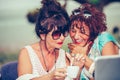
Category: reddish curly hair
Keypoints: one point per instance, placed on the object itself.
(96, 21)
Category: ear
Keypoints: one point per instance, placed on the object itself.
(42, 36)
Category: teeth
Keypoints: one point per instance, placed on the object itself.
(79, 40)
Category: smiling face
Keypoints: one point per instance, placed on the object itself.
(79, 33)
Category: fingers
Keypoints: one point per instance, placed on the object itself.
(61, 70)
(79, 56)
(80, 60)
(71, 46)
(89, 44)
(83, 59)
(68, 55)
(60, 73)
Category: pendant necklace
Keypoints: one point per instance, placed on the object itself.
(47, 70)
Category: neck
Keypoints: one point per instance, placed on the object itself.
(43, 51)
(46, 48)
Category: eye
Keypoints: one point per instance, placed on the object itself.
(56, 35)
(82, 30)
(73, 31)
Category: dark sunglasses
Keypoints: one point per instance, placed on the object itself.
(85, 13)
(57, 34)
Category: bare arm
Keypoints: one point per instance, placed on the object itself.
(24, 64)
(110, 49)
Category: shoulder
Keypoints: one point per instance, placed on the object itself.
(105, 35)
(23, 52)
(106, 38)
(109, 49)
(23, 55)
(26, 49)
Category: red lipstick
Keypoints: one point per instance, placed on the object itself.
(60, 43)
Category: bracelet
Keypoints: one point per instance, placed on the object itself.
(92, 68)
(87, 73)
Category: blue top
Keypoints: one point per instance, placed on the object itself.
(96, 49)
(103, 39)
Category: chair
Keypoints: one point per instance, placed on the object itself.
(0, 74)
(9, 71)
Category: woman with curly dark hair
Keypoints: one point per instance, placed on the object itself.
(45, 60)
(90, 39)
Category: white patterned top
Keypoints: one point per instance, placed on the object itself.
(38, 69)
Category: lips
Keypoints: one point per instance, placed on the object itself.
(79, 41)
(60, 43)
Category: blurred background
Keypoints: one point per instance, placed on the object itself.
(17, 26)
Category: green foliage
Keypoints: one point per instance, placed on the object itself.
(3, 57)
(94, 1)
(65, 45)
(7, 57)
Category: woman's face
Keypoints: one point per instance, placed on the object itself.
(79, 33)
(54, 40)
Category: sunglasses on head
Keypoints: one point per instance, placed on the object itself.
(57, 34)
(85, 13)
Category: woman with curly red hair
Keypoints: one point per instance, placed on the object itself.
(89, 36)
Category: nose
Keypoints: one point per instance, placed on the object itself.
(62, 37)
(76, 36)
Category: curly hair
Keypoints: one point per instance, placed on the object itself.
(93, 18)
(51, 15)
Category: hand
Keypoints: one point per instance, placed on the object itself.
(58, 74)
(80, 49)
(78, 60)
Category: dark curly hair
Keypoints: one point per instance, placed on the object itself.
(93, 18)
(51, 15)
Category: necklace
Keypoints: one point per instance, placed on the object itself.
(47, 70)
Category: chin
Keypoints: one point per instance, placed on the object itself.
(58, 47)
(80, 44)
